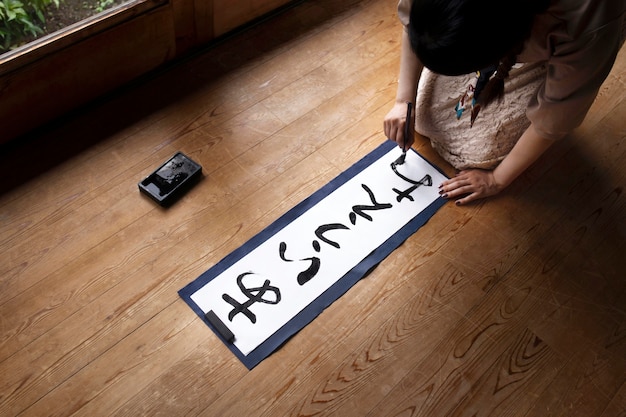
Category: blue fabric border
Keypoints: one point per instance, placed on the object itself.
(309, 313)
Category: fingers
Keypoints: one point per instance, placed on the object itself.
(468, 185)
(397, 136)
(455, 190)
(467, 199)
(456, 186)
(394, 132)
(394, 126)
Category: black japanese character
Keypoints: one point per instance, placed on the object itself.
(360, 209)
(426, 181)
(255, 295)
(319, 232)
(306, 275)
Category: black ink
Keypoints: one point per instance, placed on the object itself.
(426, 181)
(314, 267)
(319, 232)
(360, 209)
(255, 295)
(282, 248)
(306, 275)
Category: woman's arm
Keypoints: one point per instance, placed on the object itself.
(410, 70)
(476, 183)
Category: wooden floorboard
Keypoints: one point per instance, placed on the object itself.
(514, 306)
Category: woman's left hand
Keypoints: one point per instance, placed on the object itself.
(473, 184)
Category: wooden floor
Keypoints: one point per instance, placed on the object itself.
(515, 306)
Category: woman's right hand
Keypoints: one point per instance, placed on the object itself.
(394, 125)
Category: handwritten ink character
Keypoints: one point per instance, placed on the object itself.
(314, 266)
(319, 232)
(360, 209)
(255, 295)
(425, 181)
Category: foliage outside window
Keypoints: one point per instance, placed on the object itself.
(22, 21)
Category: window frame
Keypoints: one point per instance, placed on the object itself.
(66, 69)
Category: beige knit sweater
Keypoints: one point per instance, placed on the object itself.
(497, 127)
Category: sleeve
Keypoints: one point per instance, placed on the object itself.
(575, 72)
(404, 11)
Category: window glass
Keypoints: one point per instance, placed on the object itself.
(24, 21)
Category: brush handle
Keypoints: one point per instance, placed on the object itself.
(407, 125)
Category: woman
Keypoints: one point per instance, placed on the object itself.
(567, 46)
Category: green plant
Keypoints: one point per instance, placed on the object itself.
(104, 4)
(21, 19)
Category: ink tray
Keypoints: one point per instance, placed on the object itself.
(168, 182)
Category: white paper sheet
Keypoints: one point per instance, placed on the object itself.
(268, 291)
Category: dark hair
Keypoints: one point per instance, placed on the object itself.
(454, 37)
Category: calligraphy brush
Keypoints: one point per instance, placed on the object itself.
(407, 130)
